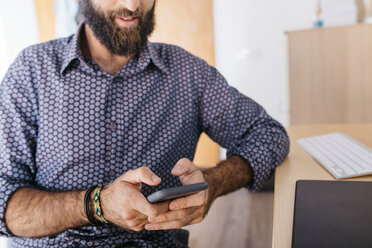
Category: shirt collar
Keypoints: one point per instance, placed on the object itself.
(73, 52)
(155, 56)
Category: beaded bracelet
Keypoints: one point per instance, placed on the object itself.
(97, 204)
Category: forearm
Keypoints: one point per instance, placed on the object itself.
(36, 213)
(227, 176)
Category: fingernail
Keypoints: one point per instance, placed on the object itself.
(151, 219)
(155, 178)
(174, 206)
(177, 169)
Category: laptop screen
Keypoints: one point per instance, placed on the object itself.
(332, 214)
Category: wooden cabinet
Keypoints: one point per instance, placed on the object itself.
(331, 75)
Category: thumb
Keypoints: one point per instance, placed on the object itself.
(183, 166)
(142, 175)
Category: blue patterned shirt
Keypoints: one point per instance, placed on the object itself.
(66, 125)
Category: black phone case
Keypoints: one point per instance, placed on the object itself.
(176, 192)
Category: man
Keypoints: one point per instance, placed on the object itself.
(107, 107)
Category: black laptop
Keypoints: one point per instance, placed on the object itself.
(332, 214)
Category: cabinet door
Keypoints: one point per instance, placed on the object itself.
(330, 75)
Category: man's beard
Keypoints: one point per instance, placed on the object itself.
(118, 40)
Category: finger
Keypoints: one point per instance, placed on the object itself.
(188, 216)
(196, 220)
(142, 174)
(194, 200)
(132, 214)
(139, 216)
(162, 207)
(140, 227)
(143, 206)
(135, 223)
(177, 224)
(132, 219)
(183, 166)
(172, 215)
(136, 226)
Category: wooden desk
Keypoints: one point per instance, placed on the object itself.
(299, 165)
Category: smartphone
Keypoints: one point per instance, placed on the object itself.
(176, 192)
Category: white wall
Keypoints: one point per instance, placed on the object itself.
(18, 29)
(65, 12)
(251, 47)
(3, 50)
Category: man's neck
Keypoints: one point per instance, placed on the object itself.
(95, 50)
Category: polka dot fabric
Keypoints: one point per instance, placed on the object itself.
(66, 125)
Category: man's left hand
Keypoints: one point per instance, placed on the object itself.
(186, 210)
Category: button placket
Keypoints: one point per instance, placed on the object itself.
(113, 127)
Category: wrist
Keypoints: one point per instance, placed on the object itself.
(82, 215)
(76, 202)
(212, 190)
(228, 175)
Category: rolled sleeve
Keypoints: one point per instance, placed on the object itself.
(18, 134)
(242, 126)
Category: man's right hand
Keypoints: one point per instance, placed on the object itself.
(124, 205)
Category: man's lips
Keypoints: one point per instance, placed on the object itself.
(128, 21)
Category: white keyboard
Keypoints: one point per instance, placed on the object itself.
(340, 154)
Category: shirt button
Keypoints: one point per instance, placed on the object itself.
(113, 126)
(117, 80)
(112, 173)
